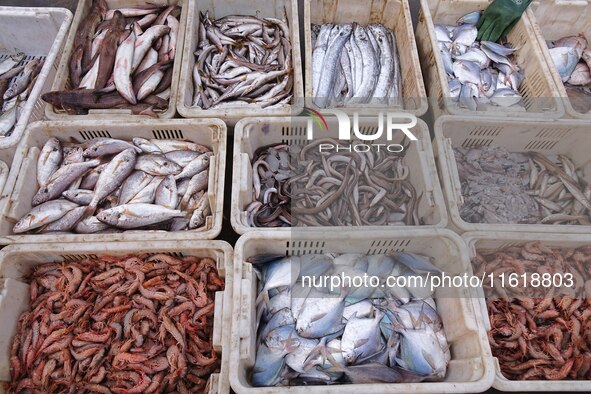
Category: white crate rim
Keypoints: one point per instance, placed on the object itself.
(440, 387)
(239, 173)
(232, 115)
(502, 383)
(62, 74)
(15, 180)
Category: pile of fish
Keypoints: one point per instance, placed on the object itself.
(295, 186)
(528, 188)
(352, 189)
(271, 206)
(480, 75)
(540, 332)
(135, 324)
(572, 58)
(243, 60)
(354, 64)
(17, 79)
(307, 335)
(121, 59)
(107, 185)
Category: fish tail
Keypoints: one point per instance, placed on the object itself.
(89, 211)
(262, 297)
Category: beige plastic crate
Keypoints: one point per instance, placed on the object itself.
(253, 133)
(568, 137)
(217, 10)
(209, 132)
(470, 370)
(395, 15)
(539, 91)
(553, 20)
(500, 240)
(40, 33)
(17, 261)
(62, 80)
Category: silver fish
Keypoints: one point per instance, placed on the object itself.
(107, 146)
(320, 315)
(78, 196)
(166, 193)
(146, 146)
(66, 222)
(361, 338)
(200, 213)
(49, 160)
(8, 120)
(90, 179)
(195, 166)
(43, 214)
(172, 145)
(157, 165)
(61, 179)
(182, 157)
(565, 60)
(12, 61)
(329, 65)
(148, 193)
(90, 225)
(131, 216)
(20, 84)
(123, 68)
(112, 176)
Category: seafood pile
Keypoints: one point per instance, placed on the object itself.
(121, 59)
(539, 332)
(271, 206)
(303, 187)
(17, 79)
(135, 324)
(503, 187)
(243, 60)
(107, 185)
(354, 64)
(572, 59)
(480, 75)
(308, 335)
(356, 189)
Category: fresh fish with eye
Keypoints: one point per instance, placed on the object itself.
(49, 160)
(157, 165)
(130, 216)
(9, 63)
(43, 214)
(61, 180)
(108, 146)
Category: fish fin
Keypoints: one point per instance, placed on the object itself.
(262, 297)
(361, 342)
(89, 211)
(319, 350)
(429, 359)
(290, 344)
(317, 317)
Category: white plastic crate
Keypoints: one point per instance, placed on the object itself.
(501, 240)
(568, 137)
(553, 20)
(62, 79)
(539, 91)
(17, 261)
(253, 133)
(395, 15)
(218, 10)
(39, 33)
(209, 132)
(471, 369)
